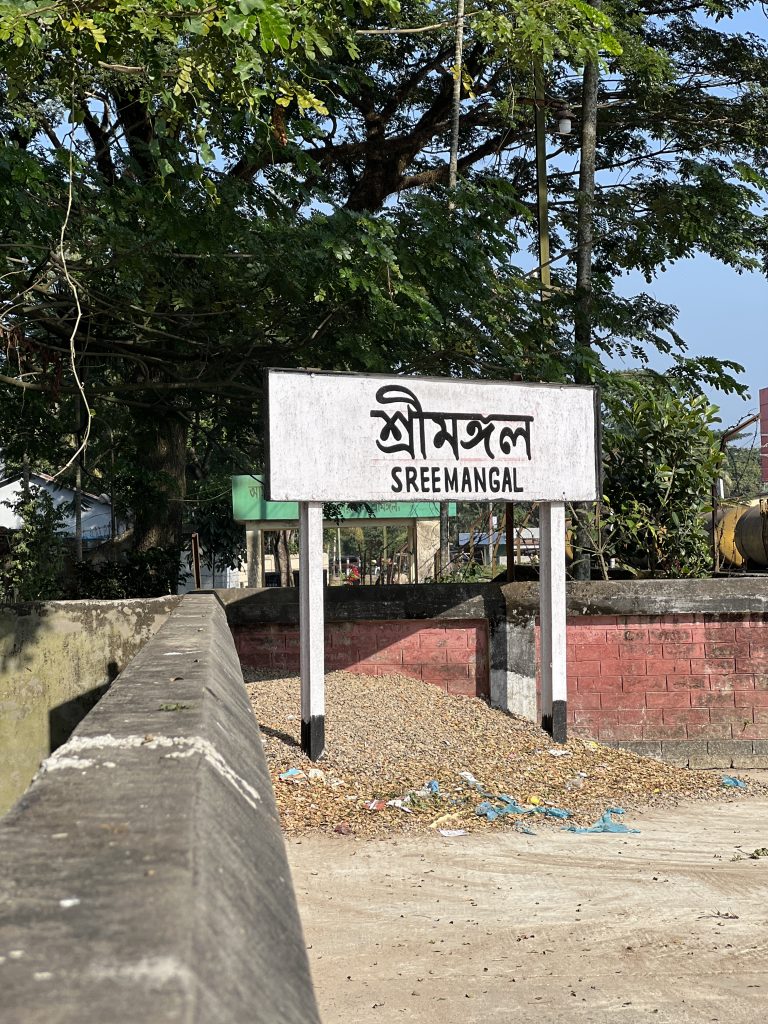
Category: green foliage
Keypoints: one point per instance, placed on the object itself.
(660, 459)
(180, 54)
(222, 540)
(741, 472)
(151, 573)
(521, 31)
(463, 572)
(262, 182)
(33, 569)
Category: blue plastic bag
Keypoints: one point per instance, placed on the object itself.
(732, 783)
(605, 823)
(487, 809)
(553, 812)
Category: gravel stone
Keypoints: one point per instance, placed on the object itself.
(388, 736)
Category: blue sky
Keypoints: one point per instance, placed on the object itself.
(722, 313)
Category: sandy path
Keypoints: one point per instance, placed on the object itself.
(553, 928)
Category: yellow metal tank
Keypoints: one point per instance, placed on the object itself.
(751, 533)
(726, 519)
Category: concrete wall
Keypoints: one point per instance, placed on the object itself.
(56, 659)
(143, 876)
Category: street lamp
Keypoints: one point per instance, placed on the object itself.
(564, 116)
(541, 104)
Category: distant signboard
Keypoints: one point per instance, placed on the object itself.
(764, 434)
(250, 505)
(346, 437)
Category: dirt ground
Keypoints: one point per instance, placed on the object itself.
(667, 926)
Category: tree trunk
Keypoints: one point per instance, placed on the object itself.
(581, 568)
(283, 557)
(445, 540)
(158, 516)
(79, 480)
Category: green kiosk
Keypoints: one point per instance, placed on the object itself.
(259, 516)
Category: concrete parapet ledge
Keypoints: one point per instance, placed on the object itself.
(347, 604)
(736, 596)
(143, 877)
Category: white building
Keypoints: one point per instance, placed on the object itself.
(96, 509)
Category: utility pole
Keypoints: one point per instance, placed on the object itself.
(545, 280)
(453, 164)
(78, 481)
(458, 69)
(542, 204)
(584, 247)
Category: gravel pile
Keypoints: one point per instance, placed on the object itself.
(395, 738)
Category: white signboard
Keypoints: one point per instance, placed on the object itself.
(344, 437)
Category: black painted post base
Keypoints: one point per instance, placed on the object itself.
(313, 737)
(559, 721)
(556, 724)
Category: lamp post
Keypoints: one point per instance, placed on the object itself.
(541, 105)
(542, 205)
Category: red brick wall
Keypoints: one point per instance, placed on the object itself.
(452, 654)
(675, 677)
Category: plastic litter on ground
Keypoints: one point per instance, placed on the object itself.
(404, 756)
(731, 783)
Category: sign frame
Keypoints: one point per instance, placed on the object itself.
(479, 426)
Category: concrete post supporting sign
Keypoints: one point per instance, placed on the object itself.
(351, 438)
(312, 629)
(254, 555)
(554, 692)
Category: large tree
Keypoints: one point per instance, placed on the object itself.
(170, 226)
(194, 190)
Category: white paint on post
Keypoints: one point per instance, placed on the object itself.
(311, 629)
(253, 555)
(554, 690)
